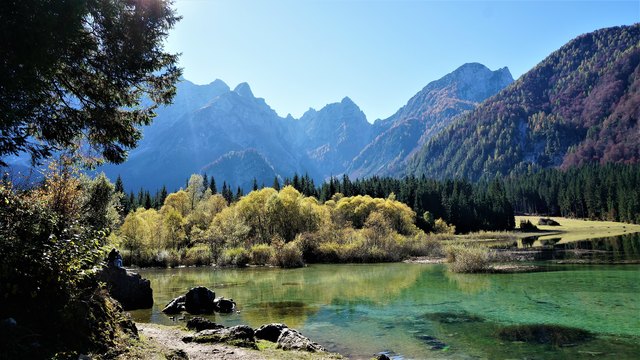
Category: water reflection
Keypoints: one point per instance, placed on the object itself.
(469, 283)
(610, 249)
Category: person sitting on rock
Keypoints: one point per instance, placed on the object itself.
(118, 259)
(111, 258)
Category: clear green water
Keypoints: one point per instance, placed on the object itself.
(360, 310)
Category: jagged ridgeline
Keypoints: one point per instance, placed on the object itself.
(580, 105)
(236, 137)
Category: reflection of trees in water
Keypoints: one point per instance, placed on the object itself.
(469, 283)
(276, 295)
(616, 248)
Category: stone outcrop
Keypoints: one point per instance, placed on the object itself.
(199, 324)
(239, 335)
(291, 339)
(130, 289)
(270, 332)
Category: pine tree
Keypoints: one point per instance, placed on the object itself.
(212, 186)
(255, 184)
(276, 183)
(119, 187)
(147, 200)
(162, 196)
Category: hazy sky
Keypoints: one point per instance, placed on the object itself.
(301, 53)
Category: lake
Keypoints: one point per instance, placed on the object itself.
(404, 309)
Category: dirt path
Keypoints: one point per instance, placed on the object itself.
(165, 342)
(171, 340)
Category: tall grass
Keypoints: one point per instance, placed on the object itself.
(467, 258)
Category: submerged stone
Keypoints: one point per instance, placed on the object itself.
(453, 318)
(556, 335)
(434, 344)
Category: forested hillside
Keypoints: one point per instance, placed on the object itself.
(425, 115)
(596, 192)
(580, 105)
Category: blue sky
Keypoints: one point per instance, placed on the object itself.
(303, 53)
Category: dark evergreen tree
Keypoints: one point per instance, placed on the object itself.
(276, 183)
(205, 180)
(162, 197)
(212, 186)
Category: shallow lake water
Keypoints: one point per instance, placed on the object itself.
(404, 309)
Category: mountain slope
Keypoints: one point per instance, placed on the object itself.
(231, 121)
(333, 136)
(581, 104)
(242, 167)
(426, 114)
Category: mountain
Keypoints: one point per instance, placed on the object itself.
(426, 114)
(579, 105)
(184, 141)
(333, 136)
(236, 165)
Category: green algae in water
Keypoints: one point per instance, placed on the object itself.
(361, 310)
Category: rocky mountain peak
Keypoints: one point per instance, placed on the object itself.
(243, 90)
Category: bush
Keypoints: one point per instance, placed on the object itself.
(198, 255)
(441, 227)
(238, 256)
(526, 225)
(423, 245)
(261, 254)
(467, 259)
(289, 256)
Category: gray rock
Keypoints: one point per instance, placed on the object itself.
(239, 335)
(175, 306)
(199, 300)
(130, 289)
(292, 340)
(270, 332)
(224, 305)
(199, 324)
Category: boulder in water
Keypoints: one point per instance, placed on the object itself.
(175, 306)
(224, 305)
(198, 300)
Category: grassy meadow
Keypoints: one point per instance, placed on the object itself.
(571, 230)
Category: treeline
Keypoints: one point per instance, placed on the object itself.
(468, 207)
(194, 226)
(598, 192)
